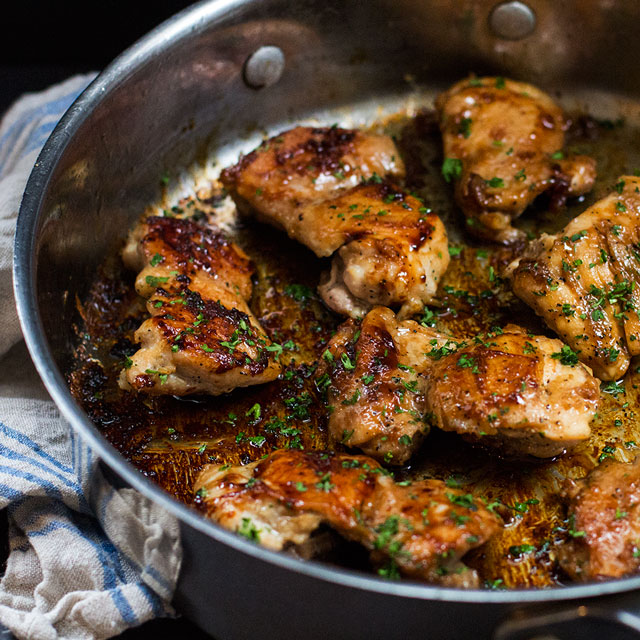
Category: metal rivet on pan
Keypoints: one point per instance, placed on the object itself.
(512, 20)
(264, 67)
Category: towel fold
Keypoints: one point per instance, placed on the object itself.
(86, 560)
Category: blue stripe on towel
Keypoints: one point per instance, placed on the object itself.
(10, 454)
(55, 107)
(51, 489)
(157, 606)
(28, 442)
(110, 574)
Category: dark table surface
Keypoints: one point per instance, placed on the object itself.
(45, 42)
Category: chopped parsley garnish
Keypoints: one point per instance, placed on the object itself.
(451, 169)
(613, 387)
(464, 128)
(346, 435)
(324, 484)
(448, 348)
(346, 362)
(156, 281)
(464, 500)
(567, 356)
(390, 570)
(161, 376)
(428, 318)
(386, 531)
(495, 183)
(466, 361)
(523, 507)
(572, 530)
(299, 292)
(248, 530)
(254, 412)
(521, 549)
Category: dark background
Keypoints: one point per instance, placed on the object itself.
(45, 41)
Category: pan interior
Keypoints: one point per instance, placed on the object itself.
(170, 439)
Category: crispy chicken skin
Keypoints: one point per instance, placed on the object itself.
(178, 248)
(374, 391)
(503, 140)
(515, 391)
(421, 530)
(392, 251)
(193, 345)
(306, 165)
(583, 281)
(604, 523)
(385, 379)
(325, 188)
(202, 336)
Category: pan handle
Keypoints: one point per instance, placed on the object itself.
(613, 618)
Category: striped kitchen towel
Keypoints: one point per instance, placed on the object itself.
(86, 560)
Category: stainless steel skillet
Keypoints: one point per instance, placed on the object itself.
(201, 82)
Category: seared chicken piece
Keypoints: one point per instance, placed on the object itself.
(604, 523)
(193, 345)
(305, 165)
(522, 393)
(422, 529)
(392, 250)
(583, 281)
(384, 379)
(174, 252)
(202, 336)
(375, 392)
(324, 187)
(502, 148)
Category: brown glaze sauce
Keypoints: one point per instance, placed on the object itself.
(170, 439)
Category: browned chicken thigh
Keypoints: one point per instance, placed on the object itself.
(325, 188)
(305, 165)
(386, 381)
(503, 147)
(519, 392)
(375, 391)
(421, 529)
(604, 523)
(583, 281)
(202, 336)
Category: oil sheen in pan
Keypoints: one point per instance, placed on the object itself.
(170, 439)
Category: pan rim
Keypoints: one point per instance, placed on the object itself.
(202, 15)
